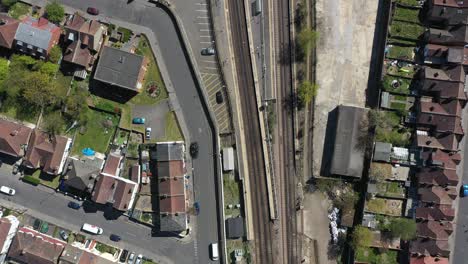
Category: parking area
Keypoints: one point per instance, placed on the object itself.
(155, 117)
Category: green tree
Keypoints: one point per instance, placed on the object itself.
(402, 227)
(49, 68)
(55, 54)
(3, 70)
(76, 107)
(9, 3)
(54, 123)
(306, 39)
(55, 12)
(39, 90)
(307, 91)
(361, 237)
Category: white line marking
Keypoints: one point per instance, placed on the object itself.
(205, 36)
(211, 68)
(203, 17)
(208, 61)
(205, 30)
(202, 10)
(203, 23)
(201, 4)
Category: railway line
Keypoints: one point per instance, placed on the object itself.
(263, 250)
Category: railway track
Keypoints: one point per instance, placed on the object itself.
(263, 252)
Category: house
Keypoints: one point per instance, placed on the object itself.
(118, 68)
(8, 27)
(13, 138)
(78, 54)
(29, 246)
(437, 213)
(348, 158)
(443, 90)
(442, 141)
(36, 37)
(234, 227)
(443, 55)
(456, 35)
(441, 116)
(81, 174)
(74, 255)
(437, 176)
(434, 230)
(441, 159)
(428, 260)
(113, 162)
(445, 12)
(167, 151)
(118, 191)
(429, 247)
(47, 152)
(437, 195)
(382, 151)
(453, 73)
(8, 227)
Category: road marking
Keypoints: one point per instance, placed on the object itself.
(205, 36)
(202, 10)
(209, 61)
(203, 23)
(205, 29)
(202, 4)
(206, 42)
(203, 17)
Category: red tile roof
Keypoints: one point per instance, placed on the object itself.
(8, 28)
(46, 152)
(171, 187)
(444, 89)
(438, 195)
(5, 226)
(104, 189)
(112, 164)
(440, 123)
(444, 107)
(434, 230)
(78, 54)
(428, 260)
(12, 137)
(122, 195)
(441, 212)
(430, 247)
(451, 3)
(437, 176)
(447, 142)
(115, 190)
(172, 205)
(446, 160)
(173, 168)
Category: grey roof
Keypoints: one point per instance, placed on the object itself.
(33, 36)
(173, 223)
(368, 220)
(348, 159)
(234, 227)
(83, 173)
(119, 68)
(372, 188)
(382, 151)
(170, 151)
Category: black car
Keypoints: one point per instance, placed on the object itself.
(92, 11)
(123, 256)
(194, 149)
(37, 224)
(115, 238)
(219, 97)
(74, 205)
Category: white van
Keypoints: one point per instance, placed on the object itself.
(214, 251)
(92, 229)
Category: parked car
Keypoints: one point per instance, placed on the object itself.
(44, 228)
(219, 97)
(196, 206)
(7, 190)
(15, 169)
(464, 190)
(37, 224)
(123, 256)
(194, 149)
(74, 205)
(131, 258)
(63, 235)
(139, 120)
(115, 238)
(148, 133)
(92, 11)
(208, 51)
(139, 259)
(1, 163)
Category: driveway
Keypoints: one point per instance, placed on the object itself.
(155, 116)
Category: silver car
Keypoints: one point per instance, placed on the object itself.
(131, 258)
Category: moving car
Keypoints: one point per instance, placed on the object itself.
(138, 120)
(7, 190)
(465, 190)
(74, 205)
(208, 51)
(131, 258)
(123, 256)
(214, 254)
(194, 149)
(148, 133)
(92, 11)
(63, 235)
(92, 229)
(115, 238)
(219, 97)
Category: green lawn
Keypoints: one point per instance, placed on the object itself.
(404, 87)
(398, 106)
(399, 52)
(47, 179)
(173, 132)
(96, 135)
(231, 195)
(405, 30)
(374, 256)
(19, 9)
(127, 33)
(391, 189)
(402, 42)
(10, 108)
(414, 3)
(233, 244)
(406, 14)
(405, 71)
(63, 83)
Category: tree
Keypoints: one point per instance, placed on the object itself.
(39, 90)
(306, 40)
(361, 237)
(3, 69)
(402, 227)
(76, 107)
(307, 91)
(55, 12)
(55, 54)
(9, 3)
(49, 68)
(54, 123)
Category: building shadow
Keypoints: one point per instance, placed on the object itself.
(328, 146)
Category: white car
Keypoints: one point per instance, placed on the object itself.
(148, 133)
(7, 190)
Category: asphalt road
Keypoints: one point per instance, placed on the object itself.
(196, 120)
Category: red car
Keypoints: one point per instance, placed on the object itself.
(92, 11)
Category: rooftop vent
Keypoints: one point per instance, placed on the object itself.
(121, 59)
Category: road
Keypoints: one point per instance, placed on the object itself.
(195, 113)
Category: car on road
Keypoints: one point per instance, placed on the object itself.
(148, 133)
(139, 120)
(196, 206)
(464, 191)
(214, 253)
(74, 205)
(139, 259)
(92, 11)
(219, 97)
(208, 51)
(194, 149)
(115, 238)
(123, 256)
(7, 190)
(131, 258)
(96, 230)
(63, 235)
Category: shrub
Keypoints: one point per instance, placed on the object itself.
(31, 180)
(55, 12)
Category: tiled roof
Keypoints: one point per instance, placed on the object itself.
(438, 195)
(440, 123)
(173, 223)
(444, 89)
(12, 137)
(451, 3)
(447, 142)
(82, 174)
(444, 107)
(122, 195)
(434, 230)
(38, 32)
(112, 164)
(104, 189)
(5, 226)
(171, 205)
(441, 212)
(457, 34)
(170, 187)
(442, 159)
(8, 27)
(430, 247)
(115, 190)
(80, 24)
(170, 151)
(437, 176)
(453, 74)
(174, 168)
(429, 260)
(79, 54)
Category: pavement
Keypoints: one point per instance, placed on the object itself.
(343, 62)
(155, 117)
(185, 98)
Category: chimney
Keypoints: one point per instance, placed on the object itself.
(431, 108)
(436, 74)
(428, 142)
(14, 133)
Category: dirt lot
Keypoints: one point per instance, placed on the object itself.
(346, 29)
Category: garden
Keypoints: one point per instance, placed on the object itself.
(397, 85)
(400, 52)
(390, 189)
(376, 256)
(232, 194)
(388, 128)
(383, 206)
(399, 29)
(406, 15)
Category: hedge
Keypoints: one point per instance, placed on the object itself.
(31, 180)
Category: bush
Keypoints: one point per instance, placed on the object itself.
(55, 12)
(9, 3)
(31, 180)
(55, 54)
(361, 237)
(127, 34)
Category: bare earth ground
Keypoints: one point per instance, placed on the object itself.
(346, 29)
